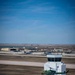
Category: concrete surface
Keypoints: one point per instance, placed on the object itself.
(35, 64)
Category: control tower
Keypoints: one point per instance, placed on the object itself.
(54, 65)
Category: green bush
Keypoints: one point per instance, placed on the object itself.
(49, 72)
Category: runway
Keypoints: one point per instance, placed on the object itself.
(35, 64)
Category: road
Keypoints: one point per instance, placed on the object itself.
(35, 64)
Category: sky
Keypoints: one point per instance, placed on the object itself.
(37, 21)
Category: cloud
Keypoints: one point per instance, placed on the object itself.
(41, 9)
(29, 6)
(13, 20)
(70, 23)
(25, 2)
(33, 7)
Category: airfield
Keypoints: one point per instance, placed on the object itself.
(29, 59)
(29, 64)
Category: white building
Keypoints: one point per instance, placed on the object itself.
(54, 64)
(5, 49)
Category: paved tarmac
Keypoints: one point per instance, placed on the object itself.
(35, 64)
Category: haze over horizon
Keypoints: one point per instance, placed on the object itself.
(37, 21)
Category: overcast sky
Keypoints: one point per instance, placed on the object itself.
(37, 21)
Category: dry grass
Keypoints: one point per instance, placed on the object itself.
(19, 70)
(34, 59)
(24, 70)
